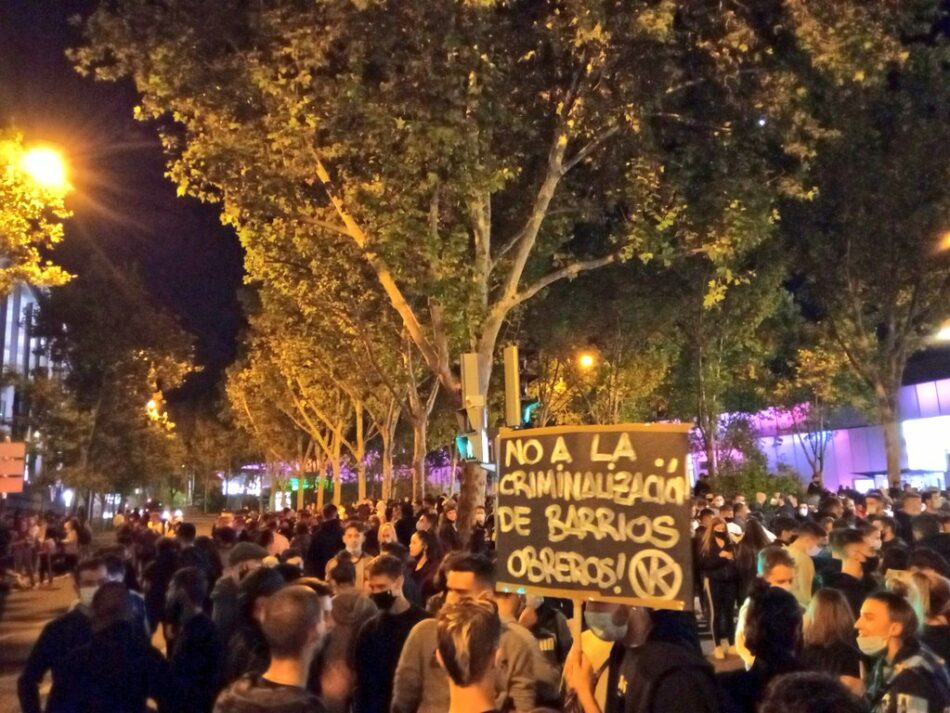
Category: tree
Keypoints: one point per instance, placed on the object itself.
(819, 383)
(31, 221)
(623, 319)
(116, 349)
(456, 146)
(727, 347)
(868, 242)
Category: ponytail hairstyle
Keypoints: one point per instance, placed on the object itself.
(773, 629)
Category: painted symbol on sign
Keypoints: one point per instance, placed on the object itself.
(654, 574)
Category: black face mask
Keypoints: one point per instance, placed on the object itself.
(174, 611)
(383, 600)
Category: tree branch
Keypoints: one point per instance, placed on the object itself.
(386, 279)
(589, 148)
(568, 271)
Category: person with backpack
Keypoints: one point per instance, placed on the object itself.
(665, 673)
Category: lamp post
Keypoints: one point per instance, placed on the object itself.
(586, 360)
(47, 168)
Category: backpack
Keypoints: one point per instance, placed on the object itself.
(639, 674)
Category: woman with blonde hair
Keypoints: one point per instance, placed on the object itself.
(935, 603)
(829, 636)
(720, 574)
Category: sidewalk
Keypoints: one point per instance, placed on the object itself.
(25, 615)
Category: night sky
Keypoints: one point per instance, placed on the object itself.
(123, 207)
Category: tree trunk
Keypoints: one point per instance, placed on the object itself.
(471, 494)
(360, 453)
(893, 444)
(419, 450)
(321, 484)
(336, 462)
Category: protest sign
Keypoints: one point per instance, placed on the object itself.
(596, 511)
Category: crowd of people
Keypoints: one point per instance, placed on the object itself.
(833, 604)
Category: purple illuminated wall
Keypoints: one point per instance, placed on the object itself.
(861, 449)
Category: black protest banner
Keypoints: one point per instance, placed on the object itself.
(596, 511)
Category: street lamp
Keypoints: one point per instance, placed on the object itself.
(943, 335)
(46, 167)
(586, 360)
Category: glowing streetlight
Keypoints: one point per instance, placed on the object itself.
(586, 361)
(944, 334)
(945, 241)
(47, 167)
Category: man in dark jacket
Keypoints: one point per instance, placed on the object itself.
(911, 506)
(381, 639)
(62, 635)
(243, 559)
(118, 670)
(195, 652)
(327, 540)
(294, 625)
(929, 533)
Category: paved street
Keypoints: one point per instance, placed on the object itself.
(23, 618)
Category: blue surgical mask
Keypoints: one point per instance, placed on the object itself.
(604, 627)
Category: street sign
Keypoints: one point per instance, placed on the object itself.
(12, 467)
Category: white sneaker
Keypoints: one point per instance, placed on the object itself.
(718, 654)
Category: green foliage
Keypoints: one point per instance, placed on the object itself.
(869, 241)
(117, 349)
(31, 221)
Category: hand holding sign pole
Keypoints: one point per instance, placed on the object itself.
(596, 512)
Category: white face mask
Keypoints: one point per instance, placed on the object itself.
(814, 551)
(603, 626)
(86, 594)
(803, 510)
(872, 645)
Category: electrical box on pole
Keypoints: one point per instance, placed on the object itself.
(512, 387)
(472, 443)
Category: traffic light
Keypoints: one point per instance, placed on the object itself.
(519, 407)
(472, 442)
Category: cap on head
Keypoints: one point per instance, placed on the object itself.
(245, 552)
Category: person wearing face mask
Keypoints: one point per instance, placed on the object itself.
(606, 624)
(381, 639)
(849, 550)
(657, 668)
(720, 584)
(60, 636)
(480, 540)
(803, 550)
(904, 672)
(448, 532)
(353, 538)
